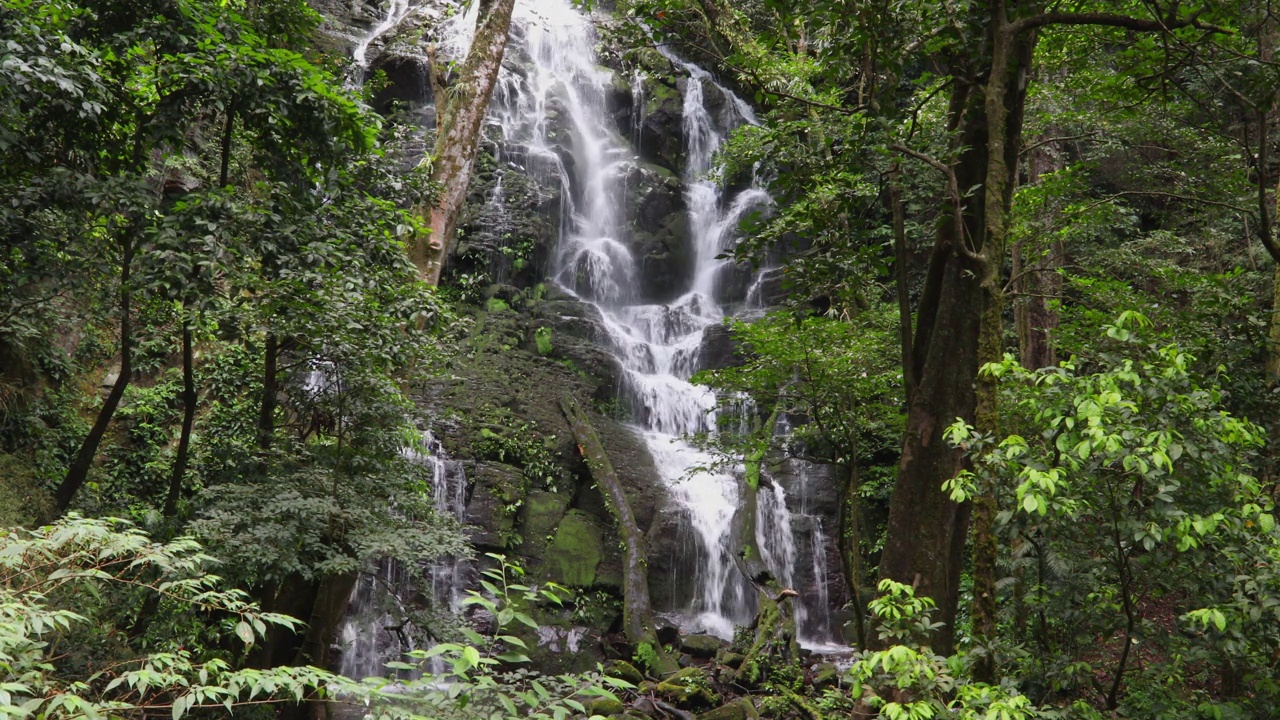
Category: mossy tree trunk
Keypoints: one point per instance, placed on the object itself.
(637, 611)
(460, 111)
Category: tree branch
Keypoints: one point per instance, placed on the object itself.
(1112, 20)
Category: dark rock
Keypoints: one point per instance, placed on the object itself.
(604, 706)
(701, 646)
(407, 82)
(662, 127)
(732, 659)
(825, 675)
(668, 635)
(497, 489)
(689, 689)
(646, 707)
(718, 349)
(575, 552)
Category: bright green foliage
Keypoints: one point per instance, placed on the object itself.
(839, 374)
(60, 662)
(1135, 509)
(907, 681)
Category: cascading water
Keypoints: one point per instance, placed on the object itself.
(396, 12)
(556, 128)
(378, 627)
(564, 93)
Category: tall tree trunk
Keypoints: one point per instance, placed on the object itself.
(79, 470)
(851, 548)
(189, 399)
(1273, 352)
(460, 112)
(270, 385)
(959, 327)
(637, 611)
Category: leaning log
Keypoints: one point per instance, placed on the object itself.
(637, 611)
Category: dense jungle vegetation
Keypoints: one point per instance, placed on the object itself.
(1028, 309)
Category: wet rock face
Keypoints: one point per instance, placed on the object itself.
(657, 222)
(662, 126)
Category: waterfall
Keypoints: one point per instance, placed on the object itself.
(554, 119)
(379, 627)
(551, 111)
(396, 11)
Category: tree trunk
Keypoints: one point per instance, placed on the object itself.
(637, 612)
(460, 117)
(189, 399)
(1273, 351)
(958, 328)
(79, 471)
(267, 408)
(851, 548)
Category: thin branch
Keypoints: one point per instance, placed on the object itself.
(1052, 140)
(953, 187)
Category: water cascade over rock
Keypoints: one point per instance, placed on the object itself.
(638, 239)
(556, 116)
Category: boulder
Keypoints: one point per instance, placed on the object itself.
(576, 550)
(689, 689)
(740, 709)
(604, 706)
(701, 646)
(623, 670)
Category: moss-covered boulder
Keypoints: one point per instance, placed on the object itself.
(740, 709)
(498, 491)
(689, 689)
(701, 646)
(623, 670)
(576, 550)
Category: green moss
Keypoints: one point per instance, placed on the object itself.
(657, 93)
(496, 305)
(542, 336)
(576, 550)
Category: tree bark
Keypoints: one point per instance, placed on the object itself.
(189, 399)
(851, 548)
(267, 407)
(637, 611)
(460, 113)
(959, 327)
(79, 471)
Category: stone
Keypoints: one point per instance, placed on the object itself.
(575, 551)
(540, 516)
(689, 689)
(623, 670)
(701, 646)
(732, 659)
(718, 349)
(825, 675)
(497, 488)
(645, 707)
(605, 706)
(741, 709)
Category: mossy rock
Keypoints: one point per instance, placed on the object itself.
(576, 550)
(740, 709)
(825, 675)
(605, 706)
(623, 670)
(701, 646)
(689, 689)
(541, 515)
